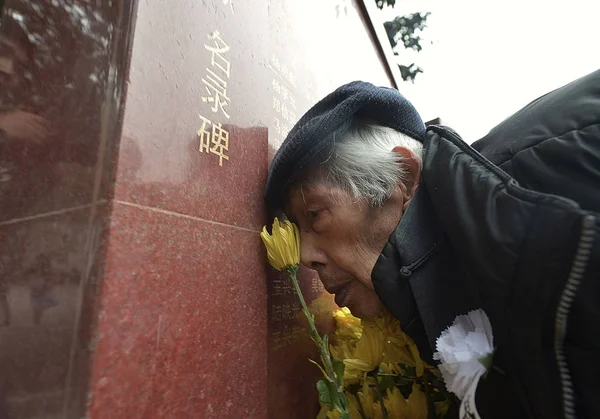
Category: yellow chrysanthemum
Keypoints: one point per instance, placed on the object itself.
(343, 349)
(396, 405)
(321, 307)
(348, 326)
(381, 344)
(364, 346)
(283, 244)
(406, 354)
(326, 413)
(367, 354)
(353, 408)
(417, 403)
(400, 348)
(348, 332)
(371, 408)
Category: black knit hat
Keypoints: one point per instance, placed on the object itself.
(315, 132)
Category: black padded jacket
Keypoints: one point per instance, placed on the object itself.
(511, 225)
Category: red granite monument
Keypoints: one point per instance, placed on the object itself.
(133, 283)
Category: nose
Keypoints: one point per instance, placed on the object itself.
(311, 255)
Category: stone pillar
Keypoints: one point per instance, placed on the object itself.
(132, 267)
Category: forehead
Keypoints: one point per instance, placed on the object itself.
(307, 192)
(315, 192)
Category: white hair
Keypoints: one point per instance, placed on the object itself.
(362, 161)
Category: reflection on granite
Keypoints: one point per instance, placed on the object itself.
(42, 263)
(56, 61)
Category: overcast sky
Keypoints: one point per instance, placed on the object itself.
(490, 58)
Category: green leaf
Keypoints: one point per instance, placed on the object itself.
(338, 368)
(324, 389)
(386, 382)
(320, 367)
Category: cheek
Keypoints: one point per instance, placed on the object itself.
(349, 260)
(363, 302)
(358, 261)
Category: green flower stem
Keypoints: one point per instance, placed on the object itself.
(322, 344)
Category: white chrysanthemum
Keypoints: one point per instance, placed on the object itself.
(465, 351)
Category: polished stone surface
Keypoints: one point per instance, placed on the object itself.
(182, 329)
(133, 282)
(59, 76)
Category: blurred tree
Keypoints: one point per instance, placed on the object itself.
(409, 72)
(405, 30)
(381, 3)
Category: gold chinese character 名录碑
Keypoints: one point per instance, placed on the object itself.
(220, 142)
(215, 140)
(216, 87)
(217, 50)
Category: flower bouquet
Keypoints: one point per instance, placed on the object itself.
(371, 369)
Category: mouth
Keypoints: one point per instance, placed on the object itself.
(340, 291)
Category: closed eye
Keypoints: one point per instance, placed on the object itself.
(311, 215)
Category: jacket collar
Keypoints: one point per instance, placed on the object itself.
(418, 234)
(416, 238)
(419, 277)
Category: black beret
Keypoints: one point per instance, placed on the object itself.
(315, 132)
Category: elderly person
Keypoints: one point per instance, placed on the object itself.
(398, 216)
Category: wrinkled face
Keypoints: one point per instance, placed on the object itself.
(341, 238)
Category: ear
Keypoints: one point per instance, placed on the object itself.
(412, 167)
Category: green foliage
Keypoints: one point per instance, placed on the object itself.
(405, 31)
(339, 367)
(409, 73)
(324, 389)
(382, 3)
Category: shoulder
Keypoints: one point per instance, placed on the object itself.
(552, 145)
(571, 108)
